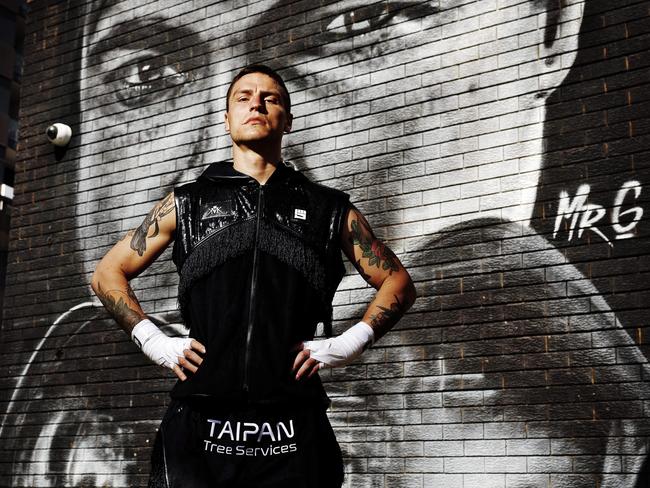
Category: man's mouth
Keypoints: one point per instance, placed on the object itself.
(255, 120)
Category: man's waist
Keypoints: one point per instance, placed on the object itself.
(260, 392)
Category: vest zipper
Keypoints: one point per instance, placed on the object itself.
(251, 301)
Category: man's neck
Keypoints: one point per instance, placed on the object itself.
(255, 165)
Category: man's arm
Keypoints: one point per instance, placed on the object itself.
(395, 294)
(381, 269)
(127, 259)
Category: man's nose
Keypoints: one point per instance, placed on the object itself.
(257, 103)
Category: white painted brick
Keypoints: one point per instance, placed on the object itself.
(490, 163)
(422, 213)
(421, 183)
(505, 464)
(501, 138)
(464, 465)
(499, 16)
(424, 465)
(446, 480)
(527, 480)
(439, 195)
(479, 188)
(386, 75)
(459, 27)
(534, 447)
(484, 481)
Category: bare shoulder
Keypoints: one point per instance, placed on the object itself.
(160, 221)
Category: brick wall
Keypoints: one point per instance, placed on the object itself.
(498, 146)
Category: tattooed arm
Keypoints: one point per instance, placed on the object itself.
(380, 268)
(130, 257)
(126, 260)
(395, 295)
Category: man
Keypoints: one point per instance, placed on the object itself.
(257, 247)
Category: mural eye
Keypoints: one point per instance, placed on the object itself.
(364, 19)
(360, 20)
(145, 81)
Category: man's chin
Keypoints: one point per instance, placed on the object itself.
(256, 137)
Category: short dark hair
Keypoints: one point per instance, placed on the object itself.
(261, 68)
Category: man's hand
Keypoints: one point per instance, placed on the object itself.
(169, 352)
(304, 365)
(335, 351)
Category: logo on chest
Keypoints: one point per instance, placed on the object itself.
(300, 214)
(214, 210)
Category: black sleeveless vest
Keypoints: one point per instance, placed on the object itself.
(259, 266)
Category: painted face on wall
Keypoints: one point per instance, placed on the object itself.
(432, 101)
(427, 113)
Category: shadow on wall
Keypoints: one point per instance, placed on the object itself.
(593, 196)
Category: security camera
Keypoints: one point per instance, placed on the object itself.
(59, 134)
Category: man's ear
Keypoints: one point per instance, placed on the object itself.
(225, 120)
(558, 44)
(287, 124)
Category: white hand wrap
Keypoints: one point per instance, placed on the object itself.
(158, 346)
(342, 350)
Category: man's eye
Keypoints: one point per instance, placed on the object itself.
(145, 81)
(364, 19)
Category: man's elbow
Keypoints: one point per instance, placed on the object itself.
(410, 294)
(103, 273)
(404, 287)
(96, 278)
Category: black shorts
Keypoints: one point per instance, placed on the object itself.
(200, 445)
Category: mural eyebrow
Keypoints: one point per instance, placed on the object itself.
(380, 12)
(142, 33)
(373, 16)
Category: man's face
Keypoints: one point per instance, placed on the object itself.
(256, 110)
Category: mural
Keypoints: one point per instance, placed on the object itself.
(498, 146)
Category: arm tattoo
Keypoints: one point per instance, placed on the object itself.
(377, 253)
(117, 302)
(139, 237)
(384, 320)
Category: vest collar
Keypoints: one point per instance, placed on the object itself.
(224, 170)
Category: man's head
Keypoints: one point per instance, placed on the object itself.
(258, 109)
(261, 68)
